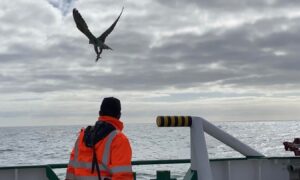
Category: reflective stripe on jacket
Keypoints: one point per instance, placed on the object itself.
(113, 155)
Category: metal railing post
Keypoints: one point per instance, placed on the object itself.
(199, 155)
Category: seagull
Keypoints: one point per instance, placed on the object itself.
(99, 42)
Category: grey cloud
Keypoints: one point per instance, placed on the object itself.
(239, 47)
(136, 65)
(232, 5)
(158, 46)
(63, 5)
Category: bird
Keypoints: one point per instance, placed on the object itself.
(99, 42)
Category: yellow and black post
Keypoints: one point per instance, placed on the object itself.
(174, 121)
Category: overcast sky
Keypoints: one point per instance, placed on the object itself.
(221, 60)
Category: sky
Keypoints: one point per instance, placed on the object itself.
(220, 60)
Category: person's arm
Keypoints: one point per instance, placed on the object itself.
(121, 158)
(70, 169)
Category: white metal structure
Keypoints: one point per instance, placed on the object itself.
(23, 173)
(199, 155)
(256, 169)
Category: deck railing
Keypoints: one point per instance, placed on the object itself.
(247, 168)
(46, 171)
(160, 175)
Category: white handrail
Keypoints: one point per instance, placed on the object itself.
(199, 155)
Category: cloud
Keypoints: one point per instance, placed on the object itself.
(166, 53)
(63, 5)
(232, 5)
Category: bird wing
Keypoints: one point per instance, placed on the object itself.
(82, 26)
(110, 29)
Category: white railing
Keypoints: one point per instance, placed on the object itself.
(199, 155)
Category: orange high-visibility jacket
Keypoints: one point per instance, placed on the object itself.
(113, 155)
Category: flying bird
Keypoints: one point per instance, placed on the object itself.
(99, 42)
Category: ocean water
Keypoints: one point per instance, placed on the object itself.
(51, 145)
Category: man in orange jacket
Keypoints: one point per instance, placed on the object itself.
(102, 151)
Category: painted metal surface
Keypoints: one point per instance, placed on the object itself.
(264, 168)
(253, 169)
(26, 173)
(199, 154)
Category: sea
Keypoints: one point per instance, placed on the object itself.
(52, 144)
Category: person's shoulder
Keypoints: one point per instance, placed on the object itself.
(121, 135)
(121, 140)
(81, 131)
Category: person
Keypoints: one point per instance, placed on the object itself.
(102, 151)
